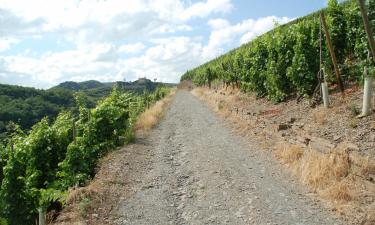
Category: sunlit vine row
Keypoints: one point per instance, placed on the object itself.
(285, 61)
(37, 168)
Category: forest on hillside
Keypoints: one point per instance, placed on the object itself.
(285, 61)
(26, 106)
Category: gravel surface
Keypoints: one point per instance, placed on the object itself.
(199, 172)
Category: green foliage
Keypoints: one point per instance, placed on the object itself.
(279, 57)
(256, 63)
(3, 160)
(3, 221)
(16, 202)
(209, 76)
(26, 106)
(337, 28)
(39, 167)
(285, 61)
(51, 195)
(354, 110)
(371, 13)
(302, 71)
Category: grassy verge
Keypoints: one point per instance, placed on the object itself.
(151, 116)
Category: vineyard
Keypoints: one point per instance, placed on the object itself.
(285, 61)
(40, 166)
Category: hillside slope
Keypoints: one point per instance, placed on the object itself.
(26, 106)
(95, 88)
(285, 61)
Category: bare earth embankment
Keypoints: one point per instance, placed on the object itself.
(191, 169)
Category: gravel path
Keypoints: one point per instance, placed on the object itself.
(199, 172)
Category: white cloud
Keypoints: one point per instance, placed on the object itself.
(224, 34)
(53, 68)
(166, 60)
(96, 29)
(262, 25)
(71, 13)
(110, 20)
(131, 48)
(217, 24)
(5, 43)
(203, 9)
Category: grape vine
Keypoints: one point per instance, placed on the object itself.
(37, 168)
(285, 61)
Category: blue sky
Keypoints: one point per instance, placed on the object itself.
(46, 42)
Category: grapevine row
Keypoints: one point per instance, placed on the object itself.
(285, 61)
(40, 166)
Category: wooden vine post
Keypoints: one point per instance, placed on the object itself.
(332, 52)
(323, 83)
(42, 216)
(367, 91)
(367, 28)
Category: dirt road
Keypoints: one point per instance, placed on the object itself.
(196, 171)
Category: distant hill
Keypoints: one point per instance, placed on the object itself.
(94, 86)
(26, 106)
(90, 84)
(96, 90)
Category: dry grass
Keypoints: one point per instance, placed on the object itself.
(353, 122)
(78, 194)
(339, 192)
(320, 115)
(325, 174)
(289, 154)
(342, 179)
(198, 92)
(149, 118)
(319, 170)
(221, 105)
(316, 169)
(368, 168)
(187, 85)
(76, 206)
(364, 167)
